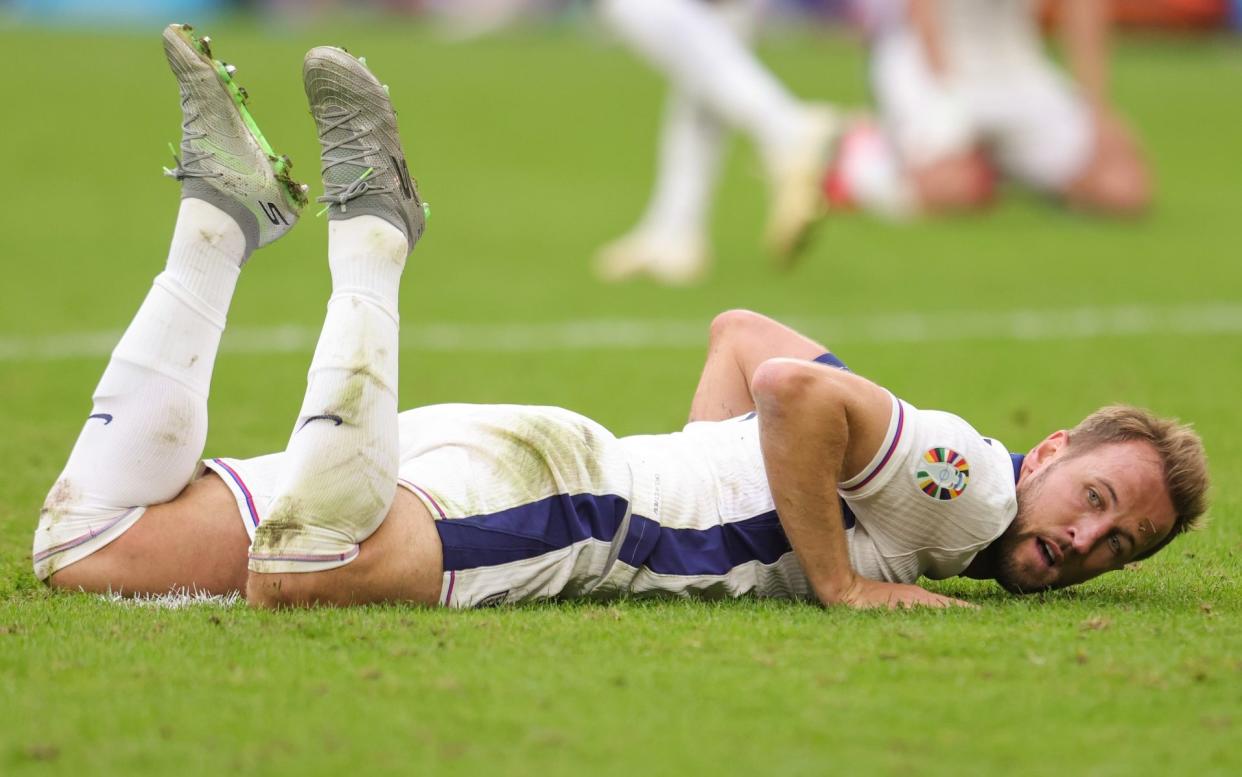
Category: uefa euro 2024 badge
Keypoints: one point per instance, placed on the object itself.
(943, 474)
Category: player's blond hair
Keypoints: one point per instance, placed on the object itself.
(1180, 450)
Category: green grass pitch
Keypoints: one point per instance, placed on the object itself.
(533, 148)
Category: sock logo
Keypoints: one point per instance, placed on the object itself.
(403, 175)
(273, 213)
(106, 417)
(335, 419)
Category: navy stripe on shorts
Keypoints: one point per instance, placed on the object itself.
(557, 522)
(554, 523)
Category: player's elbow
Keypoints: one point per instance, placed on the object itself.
(733, 323)
(787, 384)
(749, 335)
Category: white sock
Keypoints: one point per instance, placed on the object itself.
(148, 423)
(341, 472)
(698, 51)
(691, 142)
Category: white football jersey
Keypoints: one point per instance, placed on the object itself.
(936, 493)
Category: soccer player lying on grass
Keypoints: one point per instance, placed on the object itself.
(794, 478)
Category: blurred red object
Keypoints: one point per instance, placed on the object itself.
(1179, 14)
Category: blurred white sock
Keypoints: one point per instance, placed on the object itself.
(691, 142)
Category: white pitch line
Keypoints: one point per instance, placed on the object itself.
(1216, 318)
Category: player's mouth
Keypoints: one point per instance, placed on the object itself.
(1048, 551)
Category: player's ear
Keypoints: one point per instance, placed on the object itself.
(1047, 451)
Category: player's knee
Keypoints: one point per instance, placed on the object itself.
(71, 578)
(328, 588)
(270, 592)
(73, 533)
(354, 496)
(280, 591)
(97, 573)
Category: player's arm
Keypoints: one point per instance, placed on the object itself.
(926, 27)
(739, 342)
(817, 427)
(1115, 179)
(1086, 25)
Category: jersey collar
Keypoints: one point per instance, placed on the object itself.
(1017, 465)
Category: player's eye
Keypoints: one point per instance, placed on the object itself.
(1093, 497)
(1114, 544)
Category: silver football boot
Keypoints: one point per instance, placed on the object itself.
(364, 168)
(224, 159)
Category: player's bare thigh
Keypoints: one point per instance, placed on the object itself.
(196, 541)
(401, 562)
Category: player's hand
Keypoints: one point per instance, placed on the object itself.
(1112, 134)
(867, 594)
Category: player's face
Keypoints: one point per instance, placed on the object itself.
(1082, 515)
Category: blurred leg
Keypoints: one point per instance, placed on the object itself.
(705, 58)
(670, 240)
(691, 143)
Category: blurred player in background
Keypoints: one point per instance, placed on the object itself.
(717, 85)
(965, 92)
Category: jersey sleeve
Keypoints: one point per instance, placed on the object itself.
(935, 494)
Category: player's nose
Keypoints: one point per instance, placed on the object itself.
(1086, 532)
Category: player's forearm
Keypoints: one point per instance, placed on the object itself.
(1085, 28)
(926, 25)
(740, 341)
(804, 436)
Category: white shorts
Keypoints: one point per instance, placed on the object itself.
(1020, 108)
(72, 527)
(528, 500)
(539, 502)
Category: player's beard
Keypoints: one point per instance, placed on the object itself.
(1009, 573)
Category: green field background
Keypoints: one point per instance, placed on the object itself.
(533, 148)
